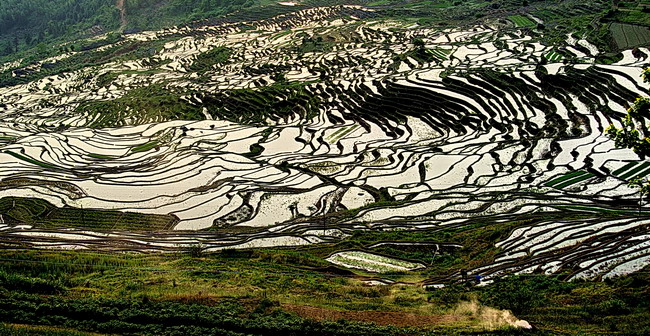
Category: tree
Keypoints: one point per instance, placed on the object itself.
(635, 134)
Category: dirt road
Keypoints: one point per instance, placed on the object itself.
(123, 22)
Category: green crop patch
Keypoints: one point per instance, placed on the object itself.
(553, 56)
(206, 61)
(629, 35)
(140, 106)
(145, 147)
(32, 160)
(569, 179)
(632, 170)
(521, 21)
(100, 156)
(257, 106)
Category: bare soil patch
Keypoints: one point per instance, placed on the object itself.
(400, 319)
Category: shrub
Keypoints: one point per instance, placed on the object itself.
(517, 293)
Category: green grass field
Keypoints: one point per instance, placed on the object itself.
(522, 21)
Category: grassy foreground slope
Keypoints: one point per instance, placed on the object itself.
(293, 291)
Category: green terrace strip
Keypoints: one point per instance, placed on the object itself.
(256, 106)
(641, 170)
(145, 147)
(624, 168)
(565, 177)
(574, 180)
(441, 54)
(341, 133)
(521, 21)
(31, 160)
(100, 156)
(590, 209)
(281, 34)
(42, 214)
(553, 56)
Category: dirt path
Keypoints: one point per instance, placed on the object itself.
(120, 5)
(382, 318)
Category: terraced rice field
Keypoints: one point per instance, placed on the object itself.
(629, 36)
(553, 56)
(372, 262)
(322, 122)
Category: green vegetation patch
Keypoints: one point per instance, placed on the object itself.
(32, 160)
(256, 106)
(554, 56)
(206, 61)
(154, 14)
(140, 106)
(250, 291)
(522, 21)
(341, 133)
(569, 179)
(638, 13)
(421, 54)
(640, 169)
(440, 53)
(145, 147)
(624, 168)
(158, 102)
(629, 36)
(27, 24)
(42, 214)
(133, 317)
(614, 307)
(28, 330)
(100, 156)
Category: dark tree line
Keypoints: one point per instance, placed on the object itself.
(25, 24)
(147, 14)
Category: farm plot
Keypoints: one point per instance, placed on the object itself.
(371, 262)
(632, 170)
(566, 245)
(629, 36)
(521, 21)
(554, 56)
(569, 179)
